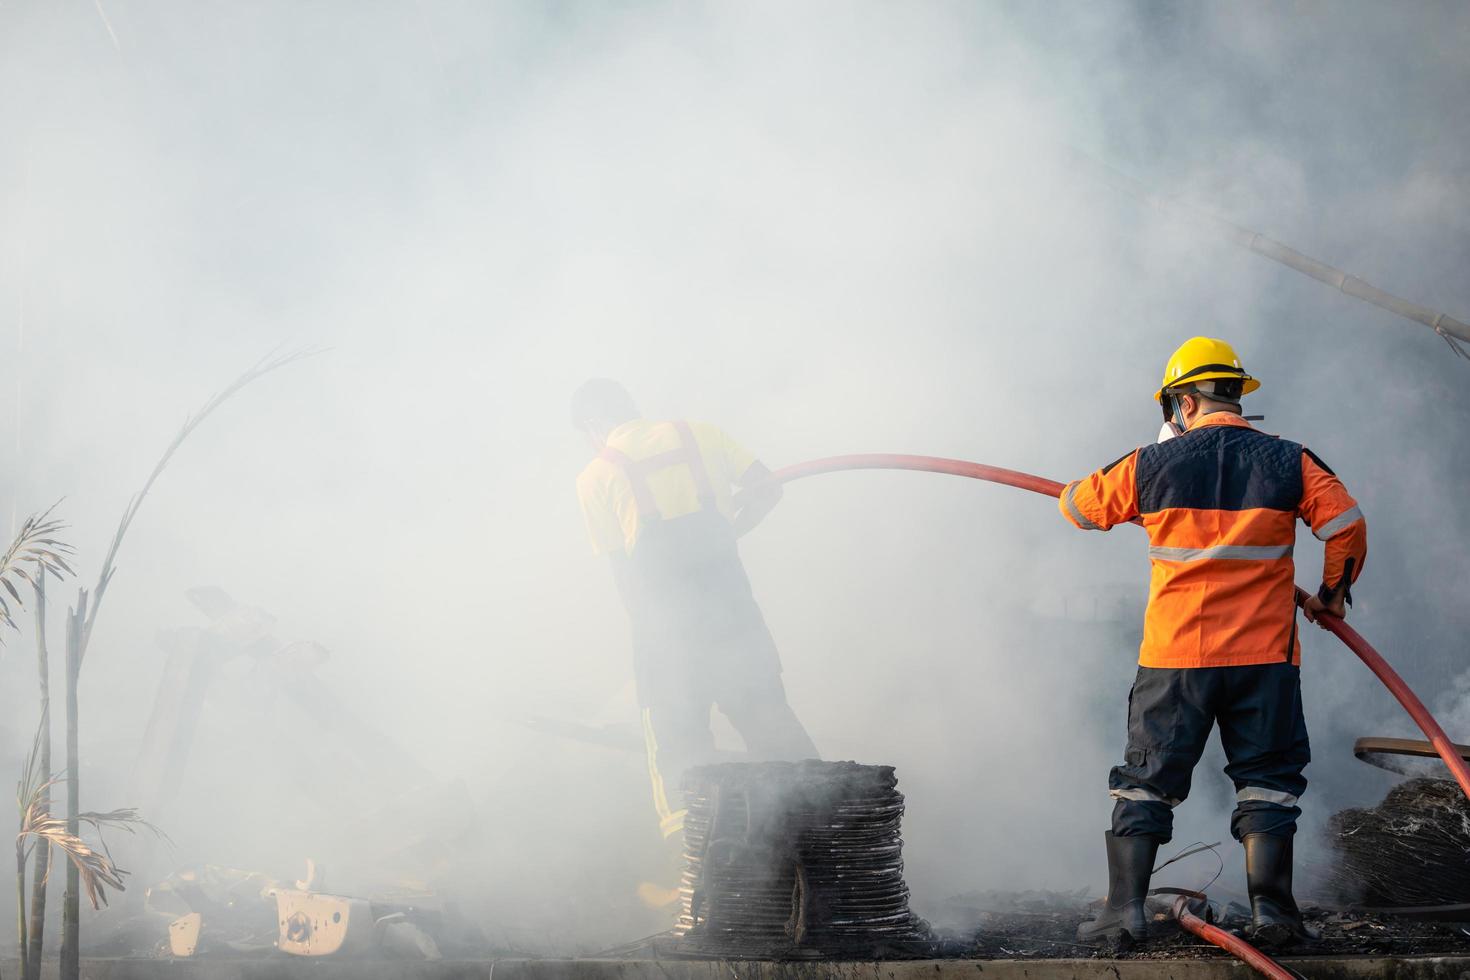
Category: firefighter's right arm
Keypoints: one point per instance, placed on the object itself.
(594, 495)
(605, 531)
(1335, 519)
(1104, 499)
(622, 573)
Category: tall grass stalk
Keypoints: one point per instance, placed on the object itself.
(35, 552)
(82, 617)
(41, 872)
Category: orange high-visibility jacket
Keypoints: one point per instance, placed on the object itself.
(1220, 505)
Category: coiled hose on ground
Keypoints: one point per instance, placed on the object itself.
(1349, 636)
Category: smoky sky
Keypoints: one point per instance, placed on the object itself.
(828, 228)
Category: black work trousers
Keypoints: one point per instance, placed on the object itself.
(677, 736)
(699, 640)
(1170, 714)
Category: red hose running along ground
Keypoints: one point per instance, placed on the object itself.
(1340, 629)
(1232, 944)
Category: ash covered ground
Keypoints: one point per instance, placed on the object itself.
(1043, 925)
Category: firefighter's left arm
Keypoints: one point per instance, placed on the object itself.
(758, 497)
(1334, 518)
(1104, 499)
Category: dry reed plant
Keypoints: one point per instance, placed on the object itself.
(39, 828)
(34, 552)
(79, 623)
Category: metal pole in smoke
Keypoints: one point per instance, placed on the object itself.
(1455, 332)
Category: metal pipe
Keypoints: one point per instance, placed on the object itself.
(1455, 332)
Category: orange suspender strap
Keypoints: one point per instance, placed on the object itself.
(642, 496)
(637, 471)
(702, 487)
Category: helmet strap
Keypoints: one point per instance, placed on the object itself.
(1178, 420)
(1174, 406)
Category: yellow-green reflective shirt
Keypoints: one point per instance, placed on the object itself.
(607, 499)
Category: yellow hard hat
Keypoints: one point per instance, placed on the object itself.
(1201, 359)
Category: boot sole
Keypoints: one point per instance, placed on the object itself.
(1273, 936)
(1117, 937)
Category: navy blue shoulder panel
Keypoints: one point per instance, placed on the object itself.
(1220, 467)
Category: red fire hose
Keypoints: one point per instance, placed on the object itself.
(927, 464)
(1344, 632)
(1232, 944)
(1401, 691)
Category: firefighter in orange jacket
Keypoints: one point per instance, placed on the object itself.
(658, 500)
(1220, 503)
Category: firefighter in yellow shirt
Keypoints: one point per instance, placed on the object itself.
(658, 500)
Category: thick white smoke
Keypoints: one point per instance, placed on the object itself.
(826, 227)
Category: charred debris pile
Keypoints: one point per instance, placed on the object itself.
(796, 860)
(805, 861)
(1410, 851)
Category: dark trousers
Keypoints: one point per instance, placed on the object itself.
(699, 640)
(1170, 714)
(676, 733)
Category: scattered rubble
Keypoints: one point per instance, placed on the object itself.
(216, 911)
(213, 908)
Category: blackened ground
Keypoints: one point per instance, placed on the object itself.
(1050, 932)
(1043, 925)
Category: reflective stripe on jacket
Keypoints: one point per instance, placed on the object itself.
(1220, 505)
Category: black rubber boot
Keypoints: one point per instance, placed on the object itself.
(1275, 919)
(1130, 863)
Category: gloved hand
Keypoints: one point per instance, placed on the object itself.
(1314, 607)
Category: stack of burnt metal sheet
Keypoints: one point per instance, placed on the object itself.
(797, 859)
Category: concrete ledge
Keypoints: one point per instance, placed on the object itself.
(1314, 968)
(291, 968)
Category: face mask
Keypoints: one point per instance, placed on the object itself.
(1173, 419)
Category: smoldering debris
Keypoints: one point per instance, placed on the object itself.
(981, 912)
(213, 911)
(795, 860)
(237, 904)
(1413, 849)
